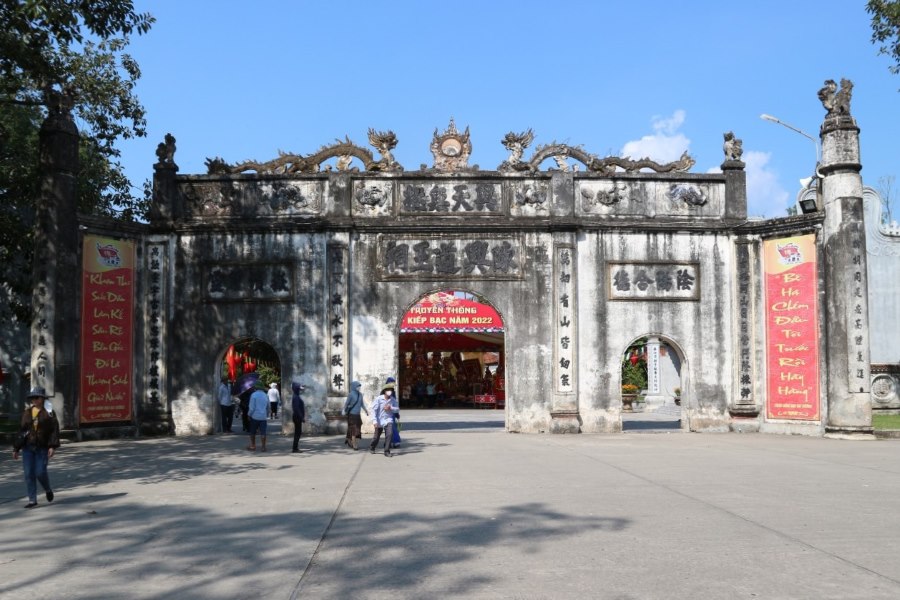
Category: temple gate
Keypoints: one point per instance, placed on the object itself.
(322, 259)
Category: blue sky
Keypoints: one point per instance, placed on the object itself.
(244, 80)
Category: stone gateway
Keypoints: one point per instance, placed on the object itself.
(752, 325)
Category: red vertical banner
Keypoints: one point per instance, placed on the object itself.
(107, 323)
(792, 331)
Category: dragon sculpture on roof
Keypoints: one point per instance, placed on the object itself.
(344, 150)
(516, 143)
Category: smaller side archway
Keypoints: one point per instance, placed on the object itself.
(654, 384)
(242, 357)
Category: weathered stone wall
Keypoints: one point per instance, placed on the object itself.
(701, 327)
(338, 235)
(210, 313)
(883, 251)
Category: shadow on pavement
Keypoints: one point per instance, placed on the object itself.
(142, 540)
(426, 543)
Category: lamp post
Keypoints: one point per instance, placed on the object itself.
(806, 206)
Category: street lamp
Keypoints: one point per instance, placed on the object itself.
(807, 205)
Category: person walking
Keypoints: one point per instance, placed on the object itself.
(395, 415)
(258, 412)
(37, 440)
(226, 405)
(274, 399)
(244, 405)
(298, 413)
(383, 418)
(352, 407)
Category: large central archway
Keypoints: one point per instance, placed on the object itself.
(451, 352)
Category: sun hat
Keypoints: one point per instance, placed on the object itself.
(37, 392)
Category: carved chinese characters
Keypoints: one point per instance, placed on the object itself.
(858, 353)
(453, 197)
(744, 400)
(653, 281)
(564, 364)
(337, 314)
(248, 282)
(792, 341)
(449, 258)
(156, 287)
(106, 330)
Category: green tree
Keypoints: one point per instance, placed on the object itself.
(886, 28)
(63, 48)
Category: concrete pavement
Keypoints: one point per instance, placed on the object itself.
(463, 510)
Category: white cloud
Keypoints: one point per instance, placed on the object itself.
(670, 125)
(765, 196)
(665, 145)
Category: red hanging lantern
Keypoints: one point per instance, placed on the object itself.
(634, 358)
(249, 367)
(232, 360)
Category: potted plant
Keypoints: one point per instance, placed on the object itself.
(677, 393)
(629, 395)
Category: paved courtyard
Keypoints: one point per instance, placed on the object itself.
(463, 510)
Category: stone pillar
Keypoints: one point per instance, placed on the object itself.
(55, 268)
(166, 205)
(154, 408)
(564, 413)
(846, 361)
(735, 189)
(744, 409)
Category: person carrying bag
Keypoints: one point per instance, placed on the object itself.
(353, 405)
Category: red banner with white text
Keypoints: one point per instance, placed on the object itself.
(445, 312)
(792, 332)
(107, 305)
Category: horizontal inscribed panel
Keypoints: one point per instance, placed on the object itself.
(450, 258)
(653, 281)
(451, 198)
(262, 282)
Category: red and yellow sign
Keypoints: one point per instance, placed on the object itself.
(107, 330)
(446, 312)
(792, 333)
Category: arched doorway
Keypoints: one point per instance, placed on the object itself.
(451, 353)
(652, 385)
(239, 362)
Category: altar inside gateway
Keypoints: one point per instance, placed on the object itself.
(451, 350)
